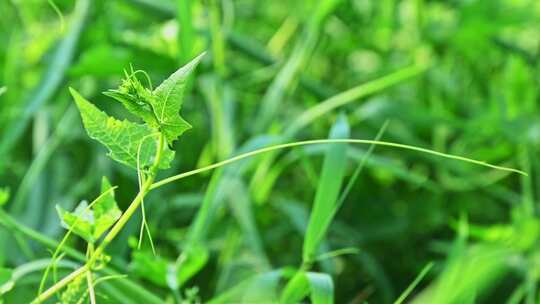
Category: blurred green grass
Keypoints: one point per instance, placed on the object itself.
(458, 76)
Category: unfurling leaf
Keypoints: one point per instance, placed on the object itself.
(136, 99)
(129, 143)
(91, 223)
(159, 109)
(168, 100)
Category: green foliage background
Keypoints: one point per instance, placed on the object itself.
(459, 77)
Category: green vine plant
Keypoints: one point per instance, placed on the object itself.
(146, 148)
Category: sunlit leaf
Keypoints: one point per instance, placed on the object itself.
(169, 98)
(127, 142)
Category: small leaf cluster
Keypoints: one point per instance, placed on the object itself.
(90, 222)
(136, 145)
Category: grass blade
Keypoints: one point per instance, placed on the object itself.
(360, 166)
(351, 95)
(415, 283)
(186, 35)
(326, 198)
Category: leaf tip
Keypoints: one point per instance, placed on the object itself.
(200, 56)
(79, 100)
(72, 91)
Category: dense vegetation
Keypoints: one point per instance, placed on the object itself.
(243, 151)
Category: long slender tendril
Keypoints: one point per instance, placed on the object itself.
(329, 141)
(140, 178)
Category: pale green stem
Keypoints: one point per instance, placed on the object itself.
(66, 237)
(60, 284)
(328, 141)
(89, 279)
(112, 233)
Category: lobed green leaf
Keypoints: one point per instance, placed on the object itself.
(169, 98)
(129, 143)
(136, 99)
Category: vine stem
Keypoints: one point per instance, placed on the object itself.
(112, 233)
(66, 237)
(329, 141)
(89, 279)
(150, 185)
(63, 282)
